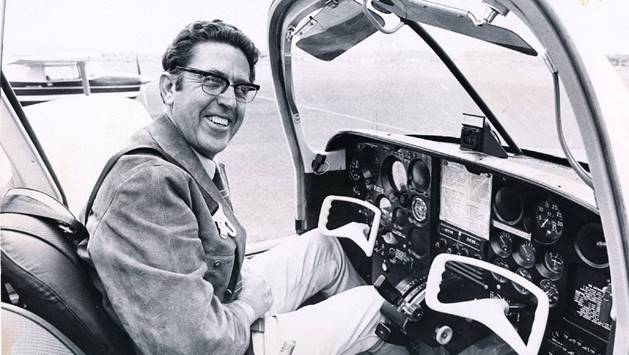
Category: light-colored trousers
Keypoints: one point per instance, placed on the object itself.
(344, 323)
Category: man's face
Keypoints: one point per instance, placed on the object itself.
(209, 122)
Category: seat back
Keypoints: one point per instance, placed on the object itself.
(40, 263)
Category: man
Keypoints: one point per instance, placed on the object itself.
(168, 252)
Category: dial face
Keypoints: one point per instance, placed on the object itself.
(591, 246)
(502, 244)
(551, 291)
(508, 205)
(553, 261)
(419, 209)
(549, 220)
(354, 170)
(420, 175)
(503, 264)
(387, 213)
(398, 176)
(524, 273)
(525, 256)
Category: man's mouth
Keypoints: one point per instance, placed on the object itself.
(221, 121)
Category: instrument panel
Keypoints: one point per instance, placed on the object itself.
(434, 204)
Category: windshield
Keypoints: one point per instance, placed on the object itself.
(394, 82)
(389, 83)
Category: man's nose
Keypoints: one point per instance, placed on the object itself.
(228, 98)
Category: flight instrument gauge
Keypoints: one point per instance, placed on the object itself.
(419, 209)
(354, 170)
(508, 205)
(420, 175)
(503, 264)
(553, 265)
(524, 273)
(591, 245)
(502, 244)
(525, 255)
(549, 221)
(399, 178)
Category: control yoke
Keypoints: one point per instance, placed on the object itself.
(352, 230)
(489, 311)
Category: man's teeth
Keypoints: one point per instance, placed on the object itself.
(219, 120)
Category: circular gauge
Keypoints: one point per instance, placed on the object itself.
(419, 209)
(420, 175)
(524, 273)
(502, 244)
(525, 255)
(354, 170)
(591, 246)
(553, 265)
(503, 264)
(367, 162)
(386, 211)
(551, 291)
(549, 221)
(508, 205)
(398, 176)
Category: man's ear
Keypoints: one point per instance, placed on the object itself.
(167, 87)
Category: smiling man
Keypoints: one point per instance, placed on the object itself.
(168, 252)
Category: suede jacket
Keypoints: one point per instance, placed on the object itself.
(158, 256)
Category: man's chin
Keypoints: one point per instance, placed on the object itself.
(210, 151)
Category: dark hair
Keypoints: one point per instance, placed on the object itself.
(179, 52)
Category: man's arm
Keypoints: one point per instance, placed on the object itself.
(151, 261)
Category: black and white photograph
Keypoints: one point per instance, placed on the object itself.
(314, 177)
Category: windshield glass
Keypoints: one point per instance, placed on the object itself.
(394, 82)
(389, 83)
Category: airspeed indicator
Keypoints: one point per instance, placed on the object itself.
(549, 220)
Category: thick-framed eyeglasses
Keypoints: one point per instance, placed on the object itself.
(215, 84)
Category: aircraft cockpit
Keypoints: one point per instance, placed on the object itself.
(487, 219)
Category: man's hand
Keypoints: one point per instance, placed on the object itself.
(255, 292)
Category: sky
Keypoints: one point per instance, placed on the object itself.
(147, 26)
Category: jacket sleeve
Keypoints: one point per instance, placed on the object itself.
(150, 260)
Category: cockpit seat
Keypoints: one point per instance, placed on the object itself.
(24, 332)
(42, 273)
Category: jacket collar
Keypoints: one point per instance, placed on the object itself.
(170, 140)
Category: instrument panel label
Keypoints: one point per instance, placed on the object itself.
(589, 298)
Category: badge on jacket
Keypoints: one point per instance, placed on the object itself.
(224, 226)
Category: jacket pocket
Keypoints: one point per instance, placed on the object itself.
(219, 272)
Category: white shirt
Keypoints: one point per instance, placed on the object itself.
(208, 164)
